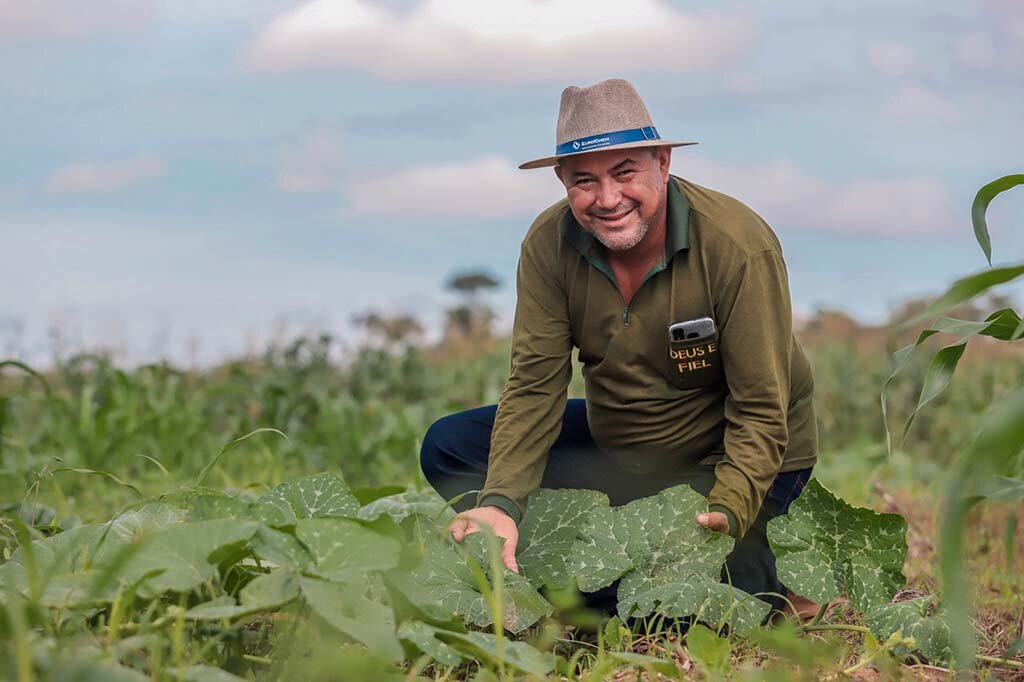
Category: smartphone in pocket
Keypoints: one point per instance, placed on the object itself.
(691, 329)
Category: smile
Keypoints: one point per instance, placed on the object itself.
(611, 220)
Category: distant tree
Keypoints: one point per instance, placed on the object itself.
(390, 330)
(470, 283)
(470, 321)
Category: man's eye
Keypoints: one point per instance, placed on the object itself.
(626, 173)
(583, 181)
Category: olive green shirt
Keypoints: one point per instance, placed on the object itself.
(741, 400)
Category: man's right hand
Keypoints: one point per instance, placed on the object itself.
(470, 521)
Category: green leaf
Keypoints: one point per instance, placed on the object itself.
(203, 673)
(447, 575)
(667, 562)
(405, 504)
(92, 671)
(180, 558)
(710, 651)
(1002, 489)
(965, 289)
(280, 549)
(265, 593)
(1002, 324)
(931, 632)
(484, 646)
(218, 506)
(995, 450)
(937, 378)
(825, 547)
(981, 201)
(550, 528)
(315, 496)
(412, 601)
(421, 636)
(644, 662)
(346, 608)
(342, 549)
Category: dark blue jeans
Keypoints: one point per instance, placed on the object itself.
(454, 460)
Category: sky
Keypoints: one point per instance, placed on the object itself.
(190, 179)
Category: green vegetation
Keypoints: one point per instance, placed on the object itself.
(266, 520)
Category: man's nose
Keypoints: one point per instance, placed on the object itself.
(608, 195)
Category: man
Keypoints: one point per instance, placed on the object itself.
(629, 252)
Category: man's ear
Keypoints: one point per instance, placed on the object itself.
(664, 161)
(558, 172)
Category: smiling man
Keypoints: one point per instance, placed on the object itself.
(632, 250)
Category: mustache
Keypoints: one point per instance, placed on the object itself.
(618, 210)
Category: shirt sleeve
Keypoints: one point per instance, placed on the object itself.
(532, 403)
(755, 321)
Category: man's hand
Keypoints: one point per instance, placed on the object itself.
(716, 521)
(470, 521)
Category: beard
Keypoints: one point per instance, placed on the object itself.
(623, 240)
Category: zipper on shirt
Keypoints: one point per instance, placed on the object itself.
(625, 310)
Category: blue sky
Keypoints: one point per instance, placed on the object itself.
(193, 178)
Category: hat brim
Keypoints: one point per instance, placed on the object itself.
(553, 160)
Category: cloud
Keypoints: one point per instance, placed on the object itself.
(786, 196)
(490, 187)
(781, 192)
(916, 104)
(506, 42)
(891, 59)
(976, 49)
(24, 20)
(104, 178)
(314, 165)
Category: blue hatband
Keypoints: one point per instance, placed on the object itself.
(585, 144)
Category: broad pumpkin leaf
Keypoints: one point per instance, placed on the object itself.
(825, 547)
(447, 575)
(421, 636)
(203, 673)
(314, 496)
(550, 528)
(342, 549)
(484, 646)
(215, 505)
(667, 563)
(277, 548)
(71, 568)
(346, 608)
(180, 558)
(931, 631)
(74, 667)
(265, 593)
(402, 505)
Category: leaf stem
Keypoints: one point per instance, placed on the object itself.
(830, 626)
(1001, 661)
(258, 659)
(819, 615)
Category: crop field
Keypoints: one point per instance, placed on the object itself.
(266, 519)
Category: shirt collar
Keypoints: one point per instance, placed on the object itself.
(677, 227)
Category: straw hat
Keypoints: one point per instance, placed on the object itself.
(609, 115)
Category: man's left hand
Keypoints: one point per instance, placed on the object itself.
(716, 521)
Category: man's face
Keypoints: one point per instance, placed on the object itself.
(617, 195)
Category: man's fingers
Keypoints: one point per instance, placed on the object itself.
(508, 555)
(716, 521)
(461, 527)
